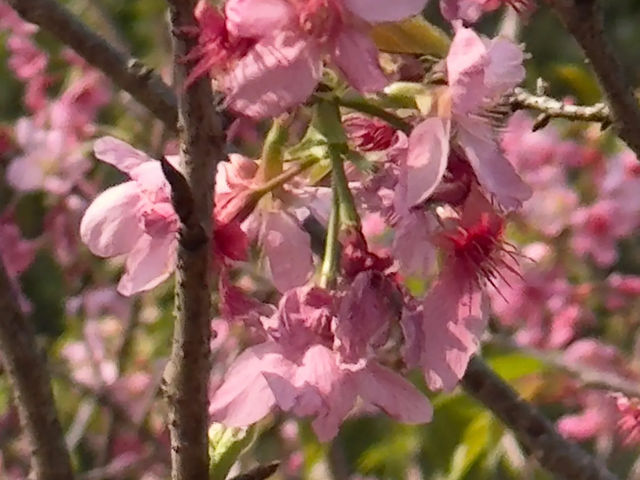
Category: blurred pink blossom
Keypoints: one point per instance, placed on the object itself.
(597, 229)
(49, 160)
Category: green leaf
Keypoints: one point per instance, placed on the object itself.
(414, 35)
(512, 366)
(475, 442)
(225, 447)
(581, 82)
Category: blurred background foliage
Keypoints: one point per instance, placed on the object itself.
(464, 441)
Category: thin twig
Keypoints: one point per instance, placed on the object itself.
(555, 453)
(126, 72)
(553, 108)
(26, 366)
(105, 400)
(122, 358)
(119, 469)
(201, 148)
(583, 18)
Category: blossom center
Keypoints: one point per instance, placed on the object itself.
(478, 249)
(320, 19)
(159, 219)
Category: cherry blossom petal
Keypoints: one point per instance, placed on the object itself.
(260, 84)
(257, 18)
(446, 334)
(357, 57)
(395, 395)
(288, 249)
(376, 11)
(364, 316)
(119, 154)
(426, 161)
(149, 264)
(413, 244)
(110, 225)
(467, 54)
(494, 172)
(325, 391)
(246, 396)
(505, 70)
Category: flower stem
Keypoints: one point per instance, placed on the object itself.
(360, 104)
(272, 152)
(331, 260)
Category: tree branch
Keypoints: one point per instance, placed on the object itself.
(555, 453)
(126, 72)
(552, 108)
(583, 19)
(26, 366)
(201, 147)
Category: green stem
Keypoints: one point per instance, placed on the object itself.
(284, 177)
(272, 152)
(331, 260)
(362, 105)
(349, 216)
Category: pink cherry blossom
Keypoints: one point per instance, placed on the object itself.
(16, 253)
(442, 332)
(135, 218)
(479, 71)
(538, 302)
(369, 134)
(597, 417)
(299, 370)
(286, 246)
(292, 38)
(596, 230)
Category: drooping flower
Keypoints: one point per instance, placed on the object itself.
(135, 218)
(290, 39)
(442, 331)
(313, 365)
(479, 72)
(287, 247)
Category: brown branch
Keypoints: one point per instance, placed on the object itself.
(555, 453)
(583, 19)
(521, 99)
(201, 147)
(126, 72)
(26, 366)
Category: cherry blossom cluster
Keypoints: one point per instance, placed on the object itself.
(439, 188)
(368, 222)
